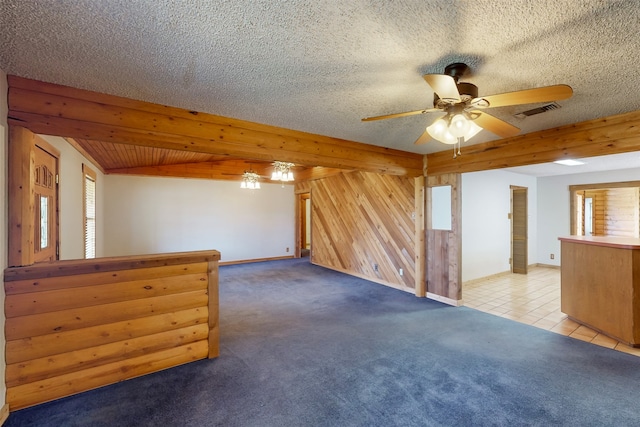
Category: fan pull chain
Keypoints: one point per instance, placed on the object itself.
(460, 140)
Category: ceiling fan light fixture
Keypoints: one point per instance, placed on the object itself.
(459, 126)
(438, 128)
(453, 127)
(473, 130)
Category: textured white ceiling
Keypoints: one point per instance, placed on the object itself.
(320, 66)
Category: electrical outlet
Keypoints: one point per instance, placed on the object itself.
(401, 272)
(552, 256)
(375, 267)
(287, 249)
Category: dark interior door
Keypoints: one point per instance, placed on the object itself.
(519, 230)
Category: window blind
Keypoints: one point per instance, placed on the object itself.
(89, 217)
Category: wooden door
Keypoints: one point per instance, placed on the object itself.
(519, 258)
(45, 206)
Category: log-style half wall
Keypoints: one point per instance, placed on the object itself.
(76, 325)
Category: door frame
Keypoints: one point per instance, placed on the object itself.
(54, 216)
(300, 218)
(21, 165)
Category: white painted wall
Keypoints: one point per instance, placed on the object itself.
(4, 136)
(554, 207)
(486, 228)
(154, 215)
(70, 201)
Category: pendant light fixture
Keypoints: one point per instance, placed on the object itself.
(282, 171)
(250, 180)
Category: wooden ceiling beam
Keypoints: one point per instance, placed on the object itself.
(68, 112)
(598, 137)
(78, 129)
(228, 170)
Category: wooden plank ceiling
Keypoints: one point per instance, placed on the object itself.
(113, 158)
(128, 136)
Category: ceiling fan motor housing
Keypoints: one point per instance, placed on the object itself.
(467, 92)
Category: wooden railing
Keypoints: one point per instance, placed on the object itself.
(77, 325)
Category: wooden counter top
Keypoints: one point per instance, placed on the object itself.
(94, 265)
(612, 242)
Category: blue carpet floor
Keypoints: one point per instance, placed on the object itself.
(305, 346)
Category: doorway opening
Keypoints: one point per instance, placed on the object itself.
(609, 209)
(305, 224)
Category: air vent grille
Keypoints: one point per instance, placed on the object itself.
(534, 111)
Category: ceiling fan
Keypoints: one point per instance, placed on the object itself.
(465, 114)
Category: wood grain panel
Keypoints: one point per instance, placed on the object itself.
(362, 220)
(302, 187)
(102, 278)
(66, 299)
(64, 342)
(444, 267)
(76, 325)
(83, 317)
(64, 363)
(621, 213)
(438, 262)
(32, 393)
(519, 230)
(21, 201)
(600, 288)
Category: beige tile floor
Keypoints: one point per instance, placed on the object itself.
(533, 299)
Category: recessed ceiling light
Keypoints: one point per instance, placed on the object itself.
(569, 162)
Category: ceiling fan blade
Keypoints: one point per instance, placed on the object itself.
(424, 138)
(495, 125)
(393, 116)
(528, 96)
(445, 86)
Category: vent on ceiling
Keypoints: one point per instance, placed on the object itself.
(534, 111)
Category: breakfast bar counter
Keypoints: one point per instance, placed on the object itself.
(600, 284)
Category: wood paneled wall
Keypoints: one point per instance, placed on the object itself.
(599, 206)
(621, 212)
(77, 325)
(444, 254)
(360, 220)
(615, 208)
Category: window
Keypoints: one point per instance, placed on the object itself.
(89, 211)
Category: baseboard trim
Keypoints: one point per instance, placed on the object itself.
(491, 276)
(445, 300)
(557, 267)
(362, 276)
(248, 261)
(4, 413)
(506, 273)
